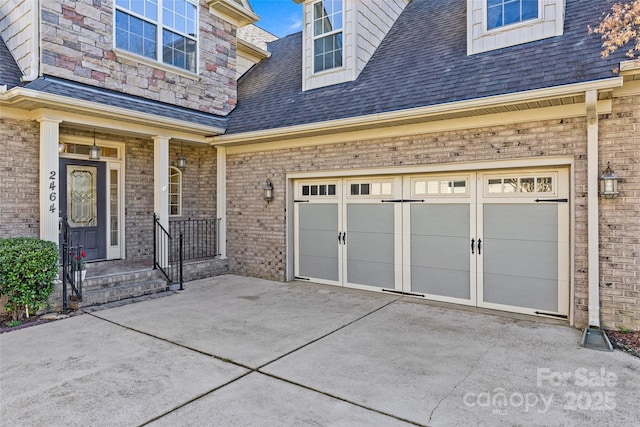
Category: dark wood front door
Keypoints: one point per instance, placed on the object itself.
(83, 200)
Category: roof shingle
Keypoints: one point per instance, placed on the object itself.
(421, 62)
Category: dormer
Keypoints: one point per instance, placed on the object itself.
(340, 36)
(495, 24)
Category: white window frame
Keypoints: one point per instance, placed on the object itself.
(160, 27)
(521, 22)
(549, 23)
(323, 35)
(174, 171)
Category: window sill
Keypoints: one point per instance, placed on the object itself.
(155, 64)
(514, 26)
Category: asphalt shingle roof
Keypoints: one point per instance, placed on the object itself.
(9, 71)
(421, 62)
(10, 76)
(121, 100)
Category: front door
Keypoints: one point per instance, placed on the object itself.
(83, 200)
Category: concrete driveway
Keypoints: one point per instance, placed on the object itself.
(237, 351)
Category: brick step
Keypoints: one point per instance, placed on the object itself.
(115, 280)
(107, 294)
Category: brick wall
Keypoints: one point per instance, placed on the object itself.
(198, 180)
(256, 231)
(620, 217)
(77, 44)
(19, 177)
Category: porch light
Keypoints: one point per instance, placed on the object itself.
(62, 147)
(182, 160)
(268, 191)
(608, 184)
(94, 150)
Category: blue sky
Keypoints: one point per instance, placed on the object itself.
(279, 17)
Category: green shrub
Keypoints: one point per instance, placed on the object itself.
(28, 269)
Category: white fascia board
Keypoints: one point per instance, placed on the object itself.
(17, 94)
(252, 49)
(399, 116)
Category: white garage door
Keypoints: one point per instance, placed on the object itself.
(496, 240)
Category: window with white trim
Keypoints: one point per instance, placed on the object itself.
(506, 12)
(175, 191)
(328, 25)
(162, 30)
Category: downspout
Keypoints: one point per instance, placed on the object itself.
(34, 70)
(592, 210)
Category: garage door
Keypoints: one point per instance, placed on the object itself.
(496, 240)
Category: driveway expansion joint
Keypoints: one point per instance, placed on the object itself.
(329, 333)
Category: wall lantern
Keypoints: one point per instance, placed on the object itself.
(268, 191)
(62, 147)
(94, 150)
(182, 160)
(608, 184)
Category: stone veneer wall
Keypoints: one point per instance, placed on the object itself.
(256, 231)
(19, 178)
(78, 41)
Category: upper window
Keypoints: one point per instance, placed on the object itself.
(327, 34)
(506, 12)
(163, 30)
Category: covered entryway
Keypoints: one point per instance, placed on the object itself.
(491, 239)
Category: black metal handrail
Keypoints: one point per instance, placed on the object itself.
(200, 238)
(168, 256)
(71, 273)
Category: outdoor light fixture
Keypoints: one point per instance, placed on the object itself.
(62, 147)
(182, 160)
(608, 184)
(268, 191)
(94, 150)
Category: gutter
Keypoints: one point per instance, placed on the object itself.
(396, 117)
(35, 37)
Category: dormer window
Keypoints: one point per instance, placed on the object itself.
(505, 12)
(162, 30)
(328, 24)
(497, 24)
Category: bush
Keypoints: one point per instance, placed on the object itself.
(28, 269)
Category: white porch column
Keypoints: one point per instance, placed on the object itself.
(49, 179)
(592, 210)
(161, 179)
(161, 190)
(221, 200)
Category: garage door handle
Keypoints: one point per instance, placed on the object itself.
(479, 246)
(473, 245)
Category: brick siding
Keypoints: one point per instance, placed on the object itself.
(256, 231)
(19, 178)
(78, 41)
(620, 217)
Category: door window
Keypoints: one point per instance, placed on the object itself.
(82, 196)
